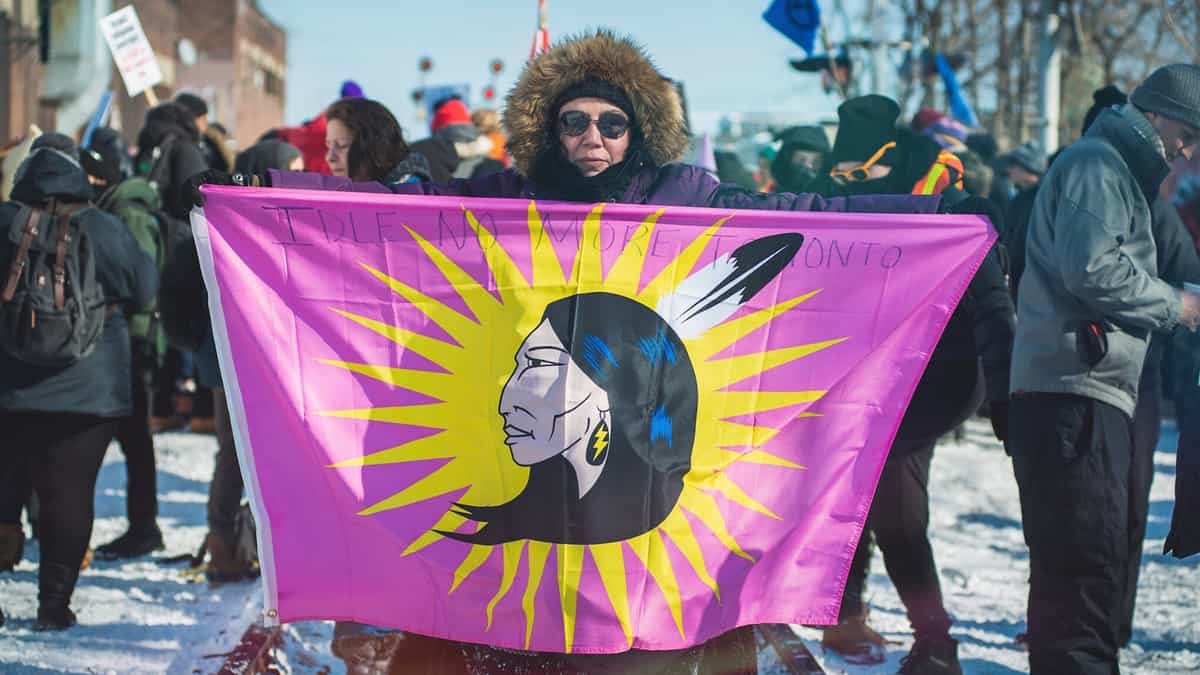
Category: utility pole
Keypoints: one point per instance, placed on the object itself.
(1049, 75)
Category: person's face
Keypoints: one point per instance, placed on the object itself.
(549, 404)
(202, 123)
(1021, 177)
(591, 151)
(810, 159)
(296, 164)
(337, 147)
(1178, 139)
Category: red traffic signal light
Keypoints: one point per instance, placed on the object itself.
(497, 66)
(425, 64)
(489, 93)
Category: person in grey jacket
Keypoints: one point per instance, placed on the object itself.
(1088, 301)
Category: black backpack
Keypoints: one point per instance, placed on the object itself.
(52, 308)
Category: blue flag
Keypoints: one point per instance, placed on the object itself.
(798, 20)
(959, 108)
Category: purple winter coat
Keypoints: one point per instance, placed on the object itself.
(670, 185)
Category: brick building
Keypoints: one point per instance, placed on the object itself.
(20, 67)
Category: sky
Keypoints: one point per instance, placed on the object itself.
(728, 58)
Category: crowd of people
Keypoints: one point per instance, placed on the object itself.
(1096, 245)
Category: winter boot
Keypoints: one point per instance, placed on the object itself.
(932, 657)
(135, 543)
(855, 642)
(12, 546)
(56, 583)
(223, 563)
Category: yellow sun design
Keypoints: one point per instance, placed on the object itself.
(468, 390)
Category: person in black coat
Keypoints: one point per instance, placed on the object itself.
(169, 154)
(60, 420)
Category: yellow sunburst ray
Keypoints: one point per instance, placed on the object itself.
(415, 415)
(547, 270)
(587, 274)
(437, 385)
(435, 484)
(748, 365)
(720, 482)
(431, 348)
(679, 531)
(570, 568)
(478, 300)
(512, 558)
(704, 507)
(422, 449)
(449, 522)
(508, 276)
(627, 269)
(735, 434)
(475, 559)
(450, 319)
(735, 403)
(652, 551)
(757, 456)
(675, 272)
(538, 552)
(720, 337)
(611, 564)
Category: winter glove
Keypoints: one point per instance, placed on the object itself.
(998, 412)
(216, 177)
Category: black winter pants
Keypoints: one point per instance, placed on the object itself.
(1147, 426)
(64, 451)
(1073, 460)
(137, 444)
(225, 491)
(898, 523)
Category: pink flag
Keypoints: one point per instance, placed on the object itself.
(567, 427)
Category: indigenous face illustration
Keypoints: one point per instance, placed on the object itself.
(601, 406)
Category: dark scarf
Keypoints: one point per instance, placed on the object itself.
(564, 180)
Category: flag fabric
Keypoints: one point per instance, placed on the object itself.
(541, 39)
(798, 20)
(959, 108)
(566, 427)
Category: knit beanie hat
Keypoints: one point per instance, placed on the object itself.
(805, 138)
(351, 89)
(593, 88)
(924, 118)
(865, 124)
(452, 111)
(1172, 91)
(1028, 157)
(948, 133)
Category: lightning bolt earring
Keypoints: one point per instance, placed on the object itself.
(599, 444)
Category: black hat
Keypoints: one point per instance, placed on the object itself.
(865, 124)
(805, 138)
(1102, 99)
(193, 104)
(1172, 91)
(106, 156)
(56, 141)
(594, 88)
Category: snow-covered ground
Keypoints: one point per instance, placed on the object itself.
(142, 617)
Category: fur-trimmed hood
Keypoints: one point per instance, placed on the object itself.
(605, 56)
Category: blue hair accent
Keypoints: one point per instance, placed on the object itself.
(658, 347)
(595, 350)
(660, 425)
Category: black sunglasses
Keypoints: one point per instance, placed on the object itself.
(610, 124)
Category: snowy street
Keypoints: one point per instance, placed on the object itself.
(143, 617)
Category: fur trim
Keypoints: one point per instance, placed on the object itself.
(602, 55)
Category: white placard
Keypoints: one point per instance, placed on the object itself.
(131, 50)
